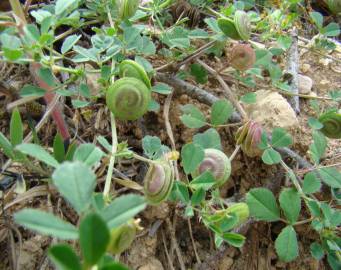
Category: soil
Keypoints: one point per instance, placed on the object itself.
(153, 248)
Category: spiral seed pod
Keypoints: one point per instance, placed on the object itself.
(331, 124)
(129, 68)
(249, 136)
(128, 98)
(243, 25)
(126, 8)
(239, 28)
(241, 210)
(334, 6)
(183, 9)
(243, 57)
(122, 237)
(217, 163)
(158, 182)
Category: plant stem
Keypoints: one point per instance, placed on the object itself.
(112, 157)
(234, 152)
(17, 10)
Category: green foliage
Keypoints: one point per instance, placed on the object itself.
(192, 155)
(286, 244)
(262, 204)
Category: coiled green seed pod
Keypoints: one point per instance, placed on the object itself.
(158, 182)
(129, 68)
(217, 163)
(122, 237)
(239, 28)
(241, 210)
(331, 124)
(126, 8)
(243, 57)
(128, 98)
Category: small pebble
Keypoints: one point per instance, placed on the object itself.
(305, 84)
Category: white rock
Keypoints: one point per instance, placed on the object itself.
(305, 84)
(272, 110)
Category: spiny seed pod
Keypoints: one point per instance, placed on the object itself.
(241, 210)
(158, 182)
(126, 8)
(122, 237)
(129, 68)
(243, 57)
(331, 124)
(334, 6)
(249, 136)
(239, 28)
(217, 163)
(128, 98)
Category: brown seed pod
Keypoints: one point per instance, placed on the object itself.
(243, 57)
(182, 9)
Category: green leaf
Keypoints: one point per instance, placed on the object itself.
(316, 251)
(286, 244)
(69, 42)
(317, 19)
(331, 176)
(6, 146)
(123, 209)
(88, 153)
(318, 148)
(208, 139)
(234, 239)
(151, 145)
(76, 103)
(181, 191)
(284, 41)
(16, 128)
(198, 196)
(64, 258)
(204, 181)
(76, 182)
(314, 123)
(290, 202)
(94, 238)
(32, 91)
(46, 223)
(262, 204)
(192, 117)
(162, 88)
(192, 155)
(199, 73)
(280, 138)
(113, 266)
(46, 75)
(249, 98)
(37, 152)
(221, 111)
(12, 55)
(311, 183)
(331, 30)
(65, 5)
(58, 148)
(271, 156)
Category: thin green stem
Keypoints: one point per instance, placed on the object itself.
(112, 157)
